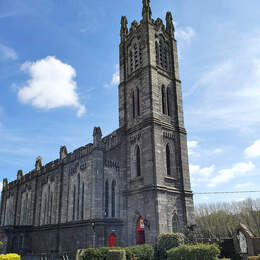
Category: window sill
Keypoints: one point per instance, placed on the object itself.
(137, 179)
(168, 178)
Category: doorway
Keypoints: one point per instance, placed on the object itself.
(140, 231)
(112, 240)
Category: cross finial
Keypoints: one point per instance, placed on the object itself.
(147, 13)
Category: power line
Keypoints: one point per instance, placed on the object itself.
(225, 192)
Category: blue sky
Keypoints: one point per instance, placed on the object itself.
(48, 45)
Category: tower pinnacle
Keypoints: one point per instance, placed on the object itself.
(124, 29)
(147, 13)
(169, 23)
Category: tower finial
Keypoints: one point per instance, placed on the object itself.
(147, 12)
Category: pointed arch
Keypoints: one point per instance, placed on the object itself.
(138, 161)
(113, 199)
(174, 223)
(112, 240)
(163, 99)
(168, 160)
(106, 198)
(140, 231)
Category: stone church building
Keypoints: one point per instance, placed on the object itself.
(122, 189)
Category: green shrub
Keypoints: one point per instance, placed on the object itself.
(194, 252)
(142, 252)
(116, 255)
(166, 242)
(94, 253)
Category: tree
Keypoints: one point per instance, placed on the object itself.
(219, 220)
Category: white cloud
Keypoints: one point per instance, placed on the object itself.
(51, 85)
(227, 98)
(244, 185)
(218, 150)
(185, 34)
(197, 171)
(191, 146)
(8, 52)
(1, 187)
(253, 151)
(225, 175)
(115, 78)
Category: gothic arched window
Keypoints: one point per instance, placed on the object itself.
(133, 104)
(157, 53)
(163, 99)
(168, 101)
(82, 201)
(165, 58)
(25, 213)
(138, 161)
(136, 56)
(51, 201)
(45, 210)
(168, 160)
(48, 204)
(106, 199)
(113, 199)
(74, 203)
(78, 197)
(138, 101)
(174, 223)
(140, 55)
(160, 52)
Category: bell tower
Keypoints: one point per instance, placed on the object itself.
(150, 110)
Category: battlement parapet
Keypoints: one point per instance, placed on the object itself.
(112, 140)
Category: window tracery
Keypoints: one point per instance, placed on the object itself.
(162, 53)
(135, 56)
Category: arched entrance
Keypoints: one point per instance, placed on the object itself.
(112, 240)
(140, 231)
